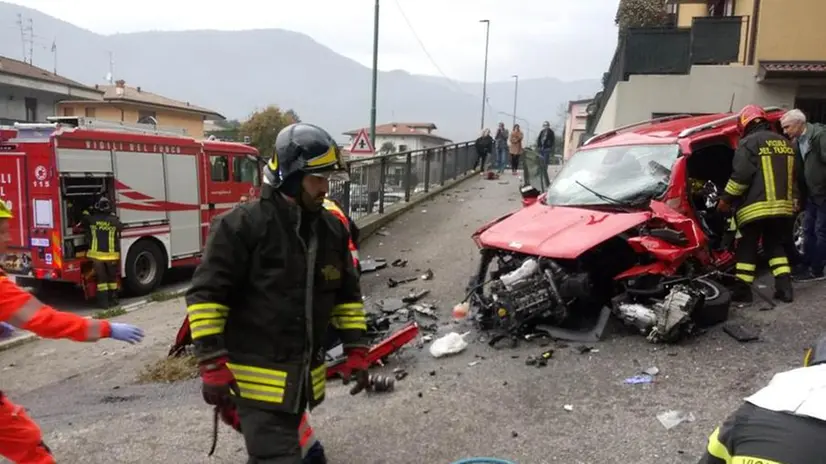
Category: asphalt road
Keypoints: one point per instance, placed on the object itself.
(482, 402)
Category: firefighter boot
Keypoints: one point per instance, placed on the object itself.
(113, 298)
(783, 288)
(742, 292)
(102, 297)
(315, 455)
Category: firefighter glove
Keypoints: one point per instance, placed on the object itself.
(357, 365)
(126, 332)
(723, 206)
(229, 416)
(217, 381)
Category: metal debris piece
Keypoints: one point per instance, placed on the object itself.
(415, 296)
(530, 361)
(569, 407)
(473, 363)
(399, 263)
(399, 373)
(372, 264)
(381, 384)
(425, 310)
(652, 371)
(427, 338)
(428, 275)
(584, 349)
(390, 305)
(391, 282)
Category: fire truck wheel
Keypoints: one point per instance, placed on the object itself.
(145, 267)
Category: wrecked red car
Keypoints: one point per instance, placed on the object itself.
(629, 228)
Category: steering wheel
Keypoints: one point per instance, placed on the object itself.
(712, 194)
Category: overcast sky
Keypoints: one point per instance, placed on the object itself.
(567, 39)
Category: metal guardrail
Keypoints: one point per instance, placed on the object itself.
(378, 182)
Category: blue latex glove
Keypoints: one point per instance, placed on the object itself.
(6, 330)
(126, 332)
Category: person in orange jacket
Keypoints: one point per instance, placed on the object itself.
(21, 441)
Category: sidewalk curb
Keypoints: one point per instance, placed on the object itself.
(28, 337)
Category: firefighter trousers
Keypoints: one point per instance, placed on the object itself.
(106, 276)
(773, 231)
(270, 436)
(20, 439)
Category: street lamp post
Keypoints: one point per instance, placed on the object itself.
(515, 94)
(375, 75)
(485, 78)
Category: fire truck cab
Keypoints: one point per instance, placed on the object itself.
(166, 188)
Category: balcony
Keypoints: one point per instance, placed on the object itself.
(671, 50)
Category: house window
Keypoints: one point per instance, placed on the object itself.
(31, 109)
(219, 168)
(68, 111)
(90, 112)
(245, 170)
(721, 8)
(143, 116)
(402, 148)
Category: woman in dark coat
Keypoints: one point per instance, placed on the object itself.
(484, 146)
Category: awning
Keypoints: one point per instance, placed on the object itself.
(775, 70)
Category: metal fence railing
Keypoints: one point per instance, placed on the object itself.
(379, 182)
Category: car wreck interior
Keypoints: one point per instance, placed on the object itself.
(709, 162)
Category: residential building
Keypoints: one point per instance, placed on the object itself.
(136, 105)
(576, 119)
(718, 55)
(404, 136)
(30, 94)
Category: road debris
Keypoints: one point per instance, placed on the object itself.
(383, 232)
(170, 369)
(414, 296)
(673, 418)
(380, 384)
(452, 343)
(740, 332)
(638, 379)
(372, 265)
(473, 363)
(568, 407)
(399, 263)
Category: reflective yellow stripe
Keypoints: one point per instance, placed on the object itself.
(206, 319)
(94, 246)
(780, 270)
(768, 178)
(318, 378)
(778, 261)
(111, 240)
(347, 309)
(752, 460)
(103, 255)
(762, 209)
(789, 177)
(717, 448)
(349, 322)
(259, 375)
(747, 278)
(252, 391)
(746, 267)
(735, 188)
(103, 287)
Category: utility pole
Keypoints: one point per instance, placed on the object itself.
(31, 41)
(54, 54)
(515, 94)
(111, 68)
(375, 75)
(22, 35)
(485, 78)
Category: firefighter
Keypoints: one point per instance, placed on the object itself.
(20, 438)
(103, 234)
(784, 422)
(275, 273)
(762, 183)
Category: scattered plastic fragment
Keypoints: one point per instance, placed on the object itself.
(569, 407)
(638, 379)
(673, 418)
(451, 343)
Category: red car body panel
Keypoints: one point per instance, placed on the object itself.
(558, 231)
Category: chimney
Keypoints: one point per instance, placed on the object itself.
(394, 127)
(120, 85)
(139, 90)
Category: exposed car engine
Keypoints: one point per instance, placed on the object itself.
(666, 320)
(538, 291)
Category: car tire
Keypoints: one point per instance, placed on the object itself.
(145, 267)
(717, 304)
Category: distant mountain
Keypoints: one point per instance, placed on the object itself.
(234, 72)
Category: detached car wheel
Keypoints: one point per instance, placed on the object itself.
(717, 303)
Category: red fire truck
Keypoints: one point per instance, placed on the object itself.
(166, 187)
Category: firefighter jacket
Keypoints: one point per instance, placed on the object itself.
(21, 309)
(103, 232)
(763, 179)
(264, 296)
(333, 207)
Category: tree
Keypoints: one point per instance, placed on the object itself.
(263, 126)
(640, 13)
(387, 148)
(293, 115)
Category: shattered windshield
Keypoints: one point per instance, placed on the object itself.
(625, 173)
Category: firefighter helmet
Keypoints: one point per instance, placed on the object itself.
(748, 115)
(306, 148)
(815, 354)
(103, 205)
(5, 210)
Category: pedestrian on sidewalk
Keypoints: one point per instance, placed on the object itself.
(20, 438)
(810, 141)
(515, 147)
(545, 142)
(484, 146)
(501, 148)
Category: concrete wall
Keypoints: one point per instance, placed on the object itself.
(707, 89)
(13, 103)
(575, 123)
(191, 122)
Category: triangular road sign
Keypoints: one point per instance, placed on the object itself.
(361, 143)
